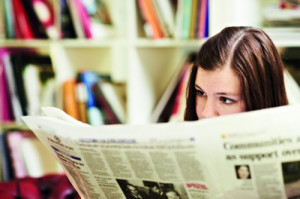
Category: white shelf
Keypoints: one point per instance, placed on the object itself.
(167, 43)
(145, 65)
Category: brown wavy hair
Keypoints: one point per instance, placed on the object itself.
(253, 56)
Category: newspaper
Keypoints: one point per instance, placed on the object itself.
(248, 155)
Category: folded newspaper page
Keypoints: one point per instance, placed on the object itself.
(248, 155)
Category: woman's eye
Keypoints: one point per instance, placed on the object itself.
(226, 100)
(200, 93)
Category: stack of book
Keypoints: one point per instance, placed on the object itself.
(42, 19)
(23, 155)
(26, 79)
(182, 19)
(282, 20)
(94, 99)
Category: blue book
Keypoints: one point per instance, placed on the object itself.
(94, 113)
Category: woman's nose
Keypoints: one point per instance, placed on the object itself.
(209, 110)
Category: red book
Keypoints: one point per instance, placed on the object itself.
(22, 26)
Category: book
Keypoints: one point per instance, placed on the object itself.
(194, 14)
(20, 59)
(116, 98)
(147, 8)
(186, 21)
(22, 26)
(202, 18)
(101, 24)
(5, 100)
(9, 20)
(103, 103)
(70, 103)
(16, 108)
(35, 24)
(178, 109)
(95, 114)
(37, 78)
(6, 168)
(160, 19)
(76, 19)
(15, 61)
(220, 157)
(44, 12)
(27, 156)
(163, 108)
(84, 18)
(2, 21)
(179, 19)
(166, 9)
(14, 139)
(82, 97)
(274, 16)
(66, 23)
(37, 159)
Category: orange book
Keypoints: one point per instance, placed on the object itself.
(70, 104)
(150, 16)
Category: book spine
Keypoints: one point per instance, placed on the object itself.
(76, 19)
(5, 105)
(69, 99)
(151, 18)
(187, 12)
(166, 10)
(45, 14)
(202, 18)
(2, 22)
(114, 96)
(33, 88)
(105, 106)
(5, 160)
(160, 18)
(22, 22)
(13, 95)
(95, 116)
(67, 27)
(177, 113)
(179, 19)
(82, 96)
(9, 20)
(146, 26)
(84, 18)
(14, 139)
(206, 27)
(193, 19)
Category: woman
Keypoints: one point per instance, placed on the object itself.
(237, 70)
(243, 172)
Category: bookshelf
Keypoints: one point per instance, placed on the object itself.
(144, 65)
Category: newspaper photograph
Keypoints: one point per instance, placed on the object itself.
(248, 155)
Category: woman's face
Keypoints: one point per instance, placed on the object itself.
(218, 92)
(243, 172)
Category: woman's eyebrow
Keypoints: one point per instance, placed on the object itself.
(227, 93)
(198, 87)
